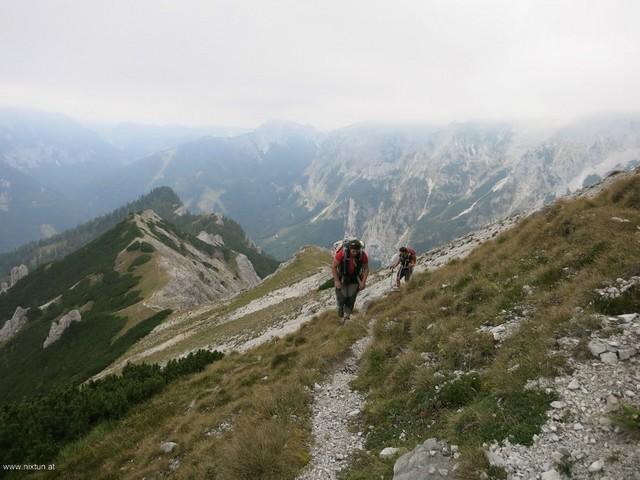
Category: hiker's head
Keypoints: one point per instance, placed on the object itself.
(403, 249)
(354, 247)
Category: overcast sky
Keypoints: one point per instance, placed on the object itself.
(324, 62)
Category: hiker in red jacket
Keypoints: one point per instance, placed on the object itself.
(350, 271)
(407, 260)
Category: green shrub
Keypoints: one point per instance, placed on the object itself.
(459, 392)
(34, 430)
(517, 416)
(146, 247)
(326, 285)
(628, 302)
(133, 246)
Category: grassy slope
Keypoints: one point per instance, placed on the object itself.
(564, 253)
(84, 279)
(207, 324)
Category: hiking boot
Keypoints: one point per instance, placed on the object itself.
(340, 312)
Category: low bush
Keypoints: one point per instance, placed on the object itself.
(34, 430)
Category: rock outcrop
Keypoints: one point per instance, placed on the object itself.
(214, 240)
(58, 328)
(192, 276)
(18, 273)
(11, 327)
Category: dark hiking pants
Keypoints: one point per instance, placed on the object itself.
(405, 272)
(346, 298)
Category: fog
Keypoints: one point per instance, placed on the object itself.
(328, 63)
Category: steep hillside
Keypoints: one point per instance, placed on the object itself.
(163, 201)
(504, 345)
(69, 319)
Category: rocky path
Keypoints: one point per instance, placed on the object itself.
(334, 405)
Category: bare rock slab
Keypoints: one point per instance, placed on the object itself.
(426, 461)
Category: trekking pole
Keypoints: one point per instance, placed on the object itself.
(393, 283)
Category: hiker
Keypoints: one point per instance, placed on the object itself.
(407, 260)
(350, 270)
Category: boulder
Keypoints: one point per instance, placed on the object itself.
(168, 447)
(596, 347)
(388, 452)
(609, 358)
(426, 461)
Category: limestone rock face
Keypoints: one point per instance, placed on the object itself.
(214, 240)
(247, 272)
(191, 276)
(11, 327)
(17, 273)
(58, 328)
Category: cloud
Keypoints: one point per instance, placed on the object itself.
(328, 63)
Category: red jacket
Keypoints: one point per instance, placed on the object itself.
(351, 262)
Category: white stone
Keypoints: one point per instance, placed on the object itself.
(596, 347)
(551, 475)
(388, 452)
(627, 353)
(629, 317)
(596, 466)
(168, 447)
(609, 358)
(557, 404)
(573, 385)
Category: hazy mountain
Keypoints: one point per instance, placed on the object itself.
(51, 168)
(248, 177)
(136, 141)
(424, 186)
(289, 185)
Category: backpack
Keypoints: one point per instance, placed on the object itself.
(405, 259)
(344, 245)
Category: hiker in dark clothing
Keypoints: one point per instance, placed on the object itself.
(350, 270)
(407, 260)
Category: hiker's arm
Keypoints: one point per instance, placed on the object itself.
(363, 276)
(334, 272)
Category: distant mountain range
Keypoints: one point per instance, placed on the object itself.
(290, 185)
(51, 168)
